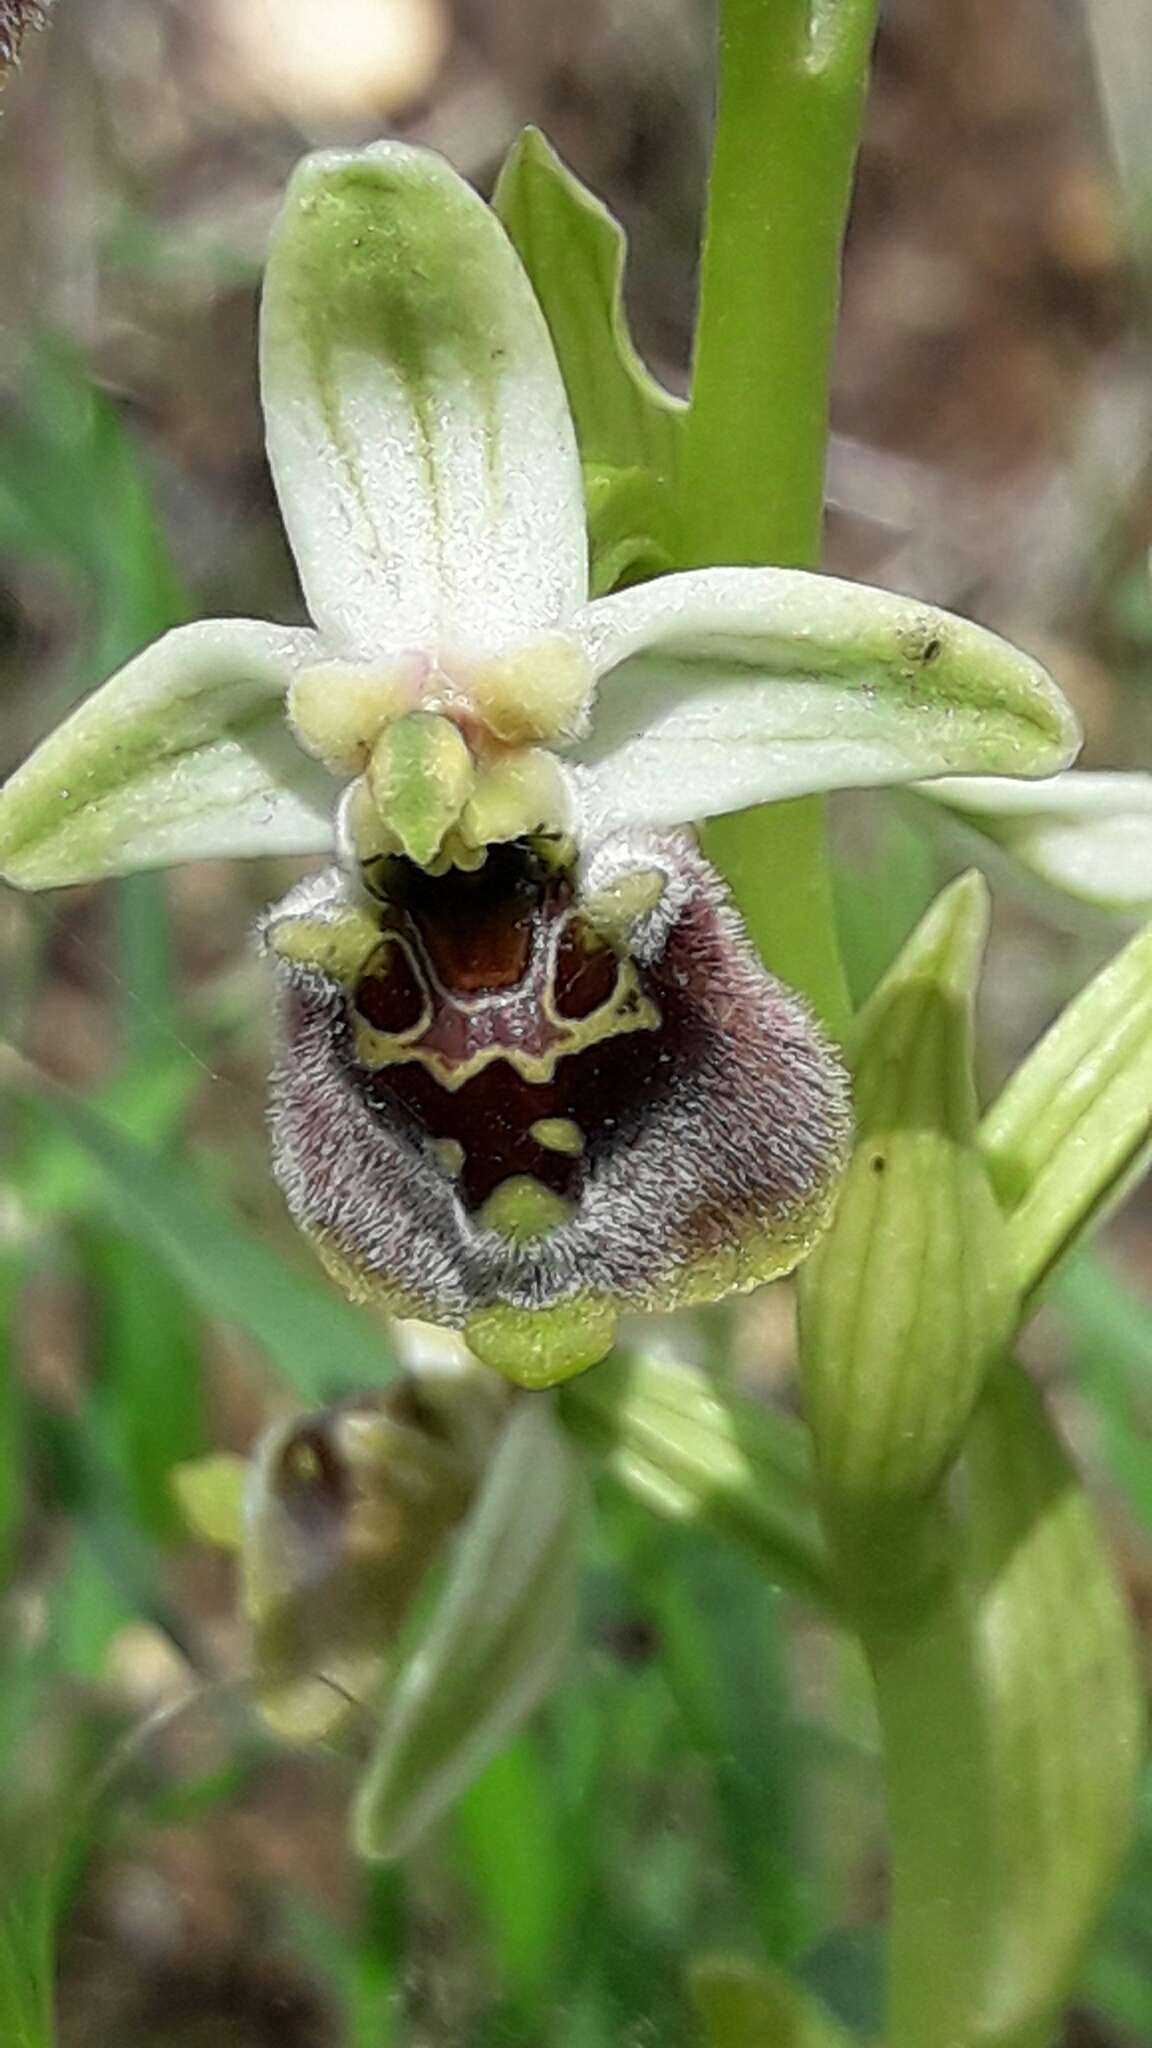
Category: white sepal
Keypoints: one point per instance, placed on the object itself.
(1089, 835)
(418, 430)
(727, 687)
(184, 754)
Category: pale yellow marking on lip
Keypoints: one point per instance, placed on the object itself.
(522, 1209)
(558, 1134)
(614, 911)
(633, 1012)
(337, 944)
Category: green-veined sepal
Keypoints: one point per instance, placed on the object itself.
(727, 687)
(182, 755)
(417, 425)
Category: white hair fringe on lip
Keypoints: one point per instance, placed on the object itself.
(749, 1121)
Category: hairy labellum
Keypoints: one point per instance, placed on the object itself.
(523, 1099)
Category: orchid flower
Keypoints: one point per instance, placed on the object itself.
(410, 1561)
(531, 1072)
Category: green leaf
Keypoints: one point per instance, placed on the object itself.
(1108, 1328)
(139, 1314)
(903, 1304)
(699, 1454)
(515, 1851)
(724, 1658)
(317, 1340)
(1073, 1127)
(490, 1646)
(1063, 1702)
(12, 1415)
(147, 1102)
(184, 755)
(574, 253)
(74, 490)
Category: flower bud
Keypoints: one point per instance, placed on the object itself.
(904, 1302)
(345, 1510)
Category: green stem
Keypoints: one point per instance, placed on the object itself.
(788, 117)
(915, 1624)
(792, 78)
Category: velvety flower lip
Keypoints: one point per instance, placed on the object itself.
(601, 1102)
(531, 1073)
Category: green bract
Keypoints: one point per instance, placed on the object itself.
(428, 471)
(904, 1302)
(494, 1643)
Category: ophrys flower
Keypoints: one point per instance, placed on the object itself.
(532, 1073)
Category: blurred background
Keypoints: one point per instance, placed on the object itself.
(710, 1776)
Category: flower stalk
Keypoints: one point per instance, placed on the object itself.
(791, 91)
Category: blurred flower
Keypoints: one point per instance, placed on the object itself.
(409, 1563)
(16, 17)
(532, 1073)
(330, 61)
